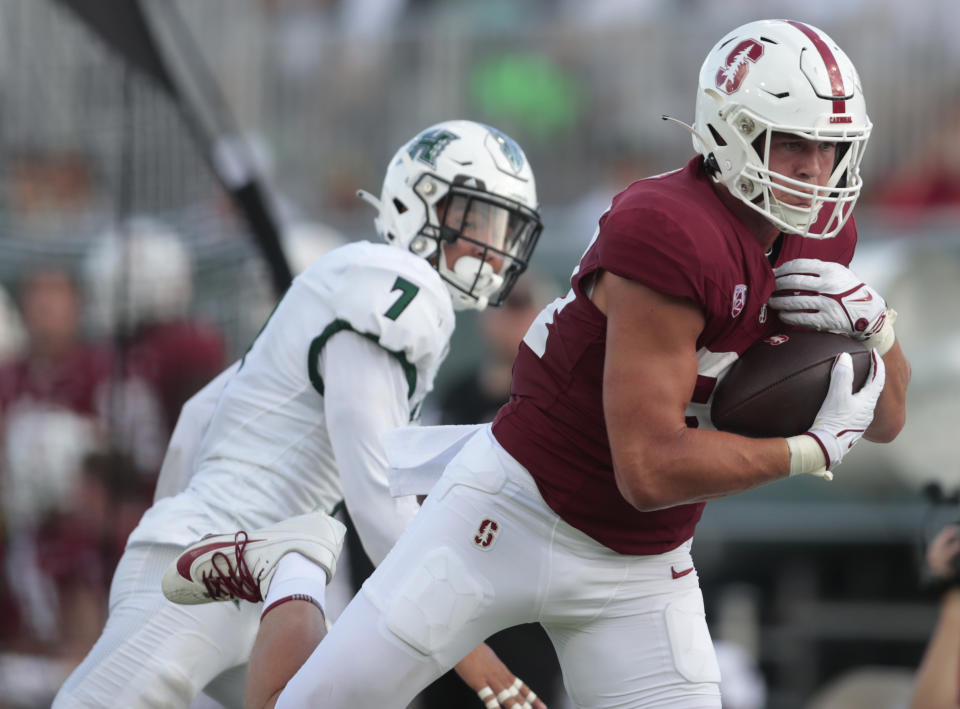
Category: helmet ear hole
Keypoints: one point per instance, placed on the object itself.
(399, 206)
(717, 138)
(711, 165)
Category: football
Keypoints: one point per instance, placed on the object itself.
(777, 386)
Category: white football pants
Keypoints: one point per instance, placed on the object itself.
(155, 654)
(486, 553)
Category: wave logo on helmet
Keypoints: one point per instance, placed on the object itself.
(427, 146)
(511, 151)
(734, 71)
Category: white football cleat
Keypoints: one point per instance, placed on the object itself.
(240, 565)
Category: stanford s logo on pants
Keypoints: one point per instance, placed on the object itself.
(486, 534)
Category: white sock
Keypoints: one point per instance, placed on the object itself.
(296, 575)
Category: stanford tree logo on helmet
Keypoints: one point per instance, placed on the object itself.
(732, 73)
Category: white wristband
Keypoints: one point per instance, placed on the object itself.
(883, 339)
(806, 457)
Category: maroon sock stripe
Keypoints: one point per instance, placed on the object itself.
(292, 597)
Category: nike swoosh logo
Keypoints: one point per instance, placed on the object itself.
(865, 299)
(680, 574)
(187, 558)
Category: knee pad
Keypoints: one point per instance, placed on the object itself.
(435, 601)
(689, 637)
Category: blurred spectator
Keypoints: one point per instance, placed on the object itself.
(52, 591)
(37, 493)
(141, 286)
(936, 684)
(938, 678)
(47, 404)
(42, 453)
(56, 577)
(931, 178)
(57, 369)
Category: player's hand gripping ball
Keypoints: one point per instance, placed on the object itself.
(777, 386)
(822, 295)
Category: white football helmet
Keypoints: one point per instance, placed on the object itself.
(462, 192)
(140, 274)
(782, 76)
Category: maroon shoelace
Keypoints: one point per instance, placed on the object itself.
(233, 581)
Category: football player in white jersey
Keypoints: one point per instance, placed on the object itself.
(294, 428)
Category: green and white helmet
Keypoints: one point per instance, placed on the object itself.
(465, 191)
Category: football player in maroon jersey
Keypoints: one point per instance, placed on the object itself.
(577, 507)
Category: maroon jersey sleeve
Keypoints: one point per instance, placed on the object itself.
(648, 246)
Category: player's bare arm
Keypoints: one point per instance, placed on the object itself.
(937, 682)
(649, 375)
(891, 413)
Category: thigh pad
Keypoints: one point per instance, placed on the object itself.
(435, 601)
(689, 637)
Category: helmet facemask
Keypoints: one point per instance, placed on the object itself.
(479, 242)
(757, 185)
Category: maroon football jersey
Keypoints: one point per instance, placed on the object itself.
(176, 358)
(673, 234)
(69, 383)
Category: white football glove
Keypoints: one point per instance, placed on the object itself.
(842, 420)
(822, 295)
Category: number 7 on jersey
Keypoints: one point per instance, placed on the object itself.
(407, 293)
